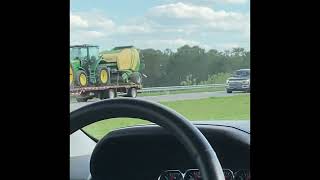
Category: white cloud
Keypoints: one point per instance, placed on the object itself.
(173, 44)
(196, 17)
(85, 36)
(177, 42)
(208, 2)
(234, 1)
(228, 45)
(77, 22)
(179, 11)
(89, 27)
(170, 43)
(132, 29)
(165, 26)
(94, 34)
(97, 20)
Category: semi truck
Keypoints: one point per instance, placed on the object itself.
(104, 74)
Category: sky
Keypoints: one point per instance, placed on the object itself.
(161, 24)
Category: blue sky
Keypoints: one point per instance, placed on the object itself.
(161, 24)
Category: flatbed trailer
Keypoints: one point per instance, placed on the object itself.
(82, 94)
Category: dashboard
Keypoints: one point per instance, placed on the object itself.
(151, 153)
(194, 174)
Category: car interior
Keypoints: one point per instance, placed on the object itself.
(160, 90)
(171, 148)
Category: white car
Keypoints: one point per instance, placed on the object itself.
(239, 81)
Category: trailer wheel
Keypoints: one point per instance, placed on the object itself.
(102, 95)
(111, 93)
(132, 92)
(82, 99)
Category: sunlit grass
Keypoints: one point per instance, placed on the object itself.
(215, 108)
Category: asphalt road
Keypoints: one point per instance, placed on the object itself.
(163, 98)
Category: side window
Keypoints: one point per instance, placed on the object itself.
(93, 52)
(83, 53)
(74, 53)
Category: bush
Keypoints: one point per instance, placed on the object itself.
(189, 81)
(219, 78)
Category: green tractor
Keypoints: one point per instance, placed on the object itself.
(89, 68)
(86, 66)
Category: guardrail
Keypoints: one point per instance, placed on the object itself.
(175, 88)
(172, 88)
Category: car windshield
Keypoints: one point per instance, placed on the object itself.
(180, 54)
(242, 73)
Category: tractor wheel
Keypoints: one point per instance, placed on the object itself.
(81, 78)
(71, 75)
(103, 75)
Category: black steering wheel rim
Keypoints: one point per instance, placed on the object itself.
(192, 139)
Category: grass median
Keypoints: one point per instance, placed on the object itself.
(215, 108)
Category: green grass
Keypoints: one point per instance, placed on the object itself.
(222, 108)
(101, 128)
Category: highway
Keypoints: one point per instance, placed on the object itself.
(164, 98)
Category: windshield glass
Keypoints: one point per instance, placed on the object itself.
(181, 54)
(94, 51)
(75, 53)
(242, 73)
(78, 52)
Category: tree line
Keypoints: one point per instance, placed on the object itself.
(190, 65)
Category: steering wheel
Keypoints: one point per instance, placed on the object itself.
(191, 138)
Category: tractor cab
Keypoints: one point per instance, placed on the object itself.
(85, 53)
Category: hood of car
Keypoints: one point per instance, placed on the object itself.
(238, 78)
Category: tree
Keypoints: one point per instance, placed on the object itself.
(191, 65)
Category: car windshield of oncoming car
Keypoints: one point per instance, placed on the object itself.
(242, 73)
(184, 60)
